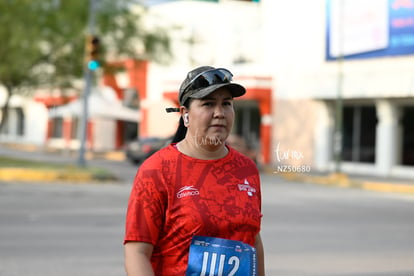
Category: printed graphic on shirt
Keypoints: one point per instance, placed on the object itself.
(246, 187)
(187, 191)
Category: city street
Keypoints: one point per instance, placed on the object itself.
(318, 94)
(62, 229)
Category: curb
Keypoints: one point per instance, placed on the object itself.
(344, 181)
(49, 175)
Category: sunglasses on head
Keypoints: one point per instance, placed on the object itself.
(207, 78)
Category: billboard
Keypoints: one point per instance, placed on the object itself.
(359, 29)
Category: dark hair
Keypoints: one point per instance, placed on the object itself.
(181, 129)
(181, 132)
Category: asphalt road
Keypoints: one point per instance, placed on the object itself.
(315, 230)
(63, 229)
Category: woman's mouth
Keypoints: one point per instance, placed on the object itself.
(218, 126)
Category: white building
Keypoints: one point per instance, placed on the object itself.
(26, 121)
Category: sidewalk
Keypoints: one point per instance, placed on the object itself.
(19, 149)
(63, 165)
(369, 183)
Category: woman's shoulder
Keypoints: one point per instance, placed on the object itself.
(237, 155)
(242, 162)
(160, 157)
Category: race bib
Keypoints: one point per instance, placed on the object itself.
(220, 257)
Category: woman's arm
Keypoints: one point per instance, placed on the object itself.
(260, 256)
(137, 259)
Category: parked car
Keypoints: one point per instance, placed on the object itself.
(139, 150)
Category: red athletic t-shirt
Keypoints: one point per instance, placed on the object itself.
(175, 197)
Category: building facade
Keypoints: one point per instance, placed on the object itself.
(331, 64)
(344, 64)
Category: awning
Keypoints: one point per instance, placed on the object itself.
(102, 103)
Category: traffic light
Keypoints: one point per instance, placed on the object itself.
(92, 52)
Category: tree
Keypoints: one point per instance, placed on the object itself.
(43, 41)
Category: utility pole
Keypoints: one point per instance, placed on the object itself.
(337, 139)
(85, 97)
(338, 120)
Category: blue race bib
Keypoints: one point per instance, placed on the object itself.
(220, 257)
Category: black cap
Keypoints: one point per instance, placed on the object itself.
(235, 89)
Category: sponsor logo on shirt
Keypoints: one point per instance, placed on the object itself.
(187, 191)
(246, 187)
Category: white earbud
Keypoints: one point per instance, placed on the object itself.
(186, 118)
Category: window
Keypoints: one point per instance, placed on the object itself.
(14, 122)
(20, 121)
(408, 136)
(130, 131)
(247, 121)
(5, 127)
(57, 128)
(74, 128)
(359, 134)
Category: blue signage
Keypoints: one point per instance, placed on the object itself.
(397, 39)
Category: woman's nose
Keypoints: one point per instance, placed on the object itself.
(219, 111)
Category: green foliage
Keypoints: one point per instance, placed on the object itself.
(43, 41)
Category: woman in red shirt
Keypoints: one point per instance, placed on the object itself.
(195, 205)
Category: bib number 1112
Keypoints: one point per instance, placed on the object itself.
(211, 256)
(218, 270)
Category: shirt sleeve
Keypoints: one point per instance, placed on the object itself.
(146, 207)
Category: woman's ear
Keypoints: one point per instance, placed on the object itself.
(184, 114)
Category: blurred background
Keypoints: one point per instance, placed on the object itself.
(329, 80)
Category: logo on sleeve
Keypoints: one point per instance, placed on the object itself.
(187, 191)
(246, 187)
